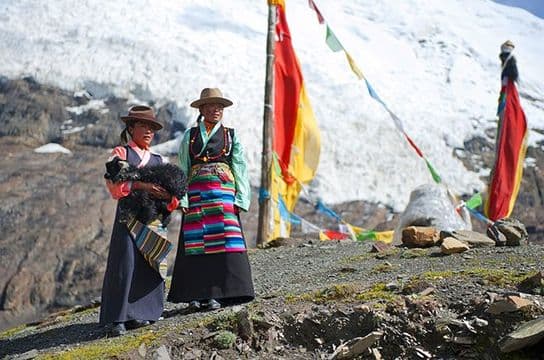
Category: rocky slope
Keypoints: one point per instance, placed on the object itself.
(55, 213)
(333, 300)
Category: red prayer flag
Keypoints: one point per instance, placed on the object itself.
(336, 235)
(287, 84)
(510, 154)
(320, 17)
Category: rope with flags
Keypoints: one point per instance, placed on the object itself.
(335, 45)
(347, 230)
(296, 143)
(511, 134)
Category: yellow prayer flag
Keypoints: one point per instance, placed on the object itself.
(354, 66)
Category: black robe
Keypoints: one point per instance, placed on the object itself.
(132, 290)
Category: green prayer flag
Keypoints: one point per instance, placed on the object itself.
(332, 41)
(366, 235)
(474, 202)
(276, 163)
(437, 179)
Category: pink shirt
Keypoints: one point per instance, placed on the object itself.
(122, 189)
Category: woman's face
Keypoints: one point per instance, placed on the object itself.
(212, 112)
(142, 133)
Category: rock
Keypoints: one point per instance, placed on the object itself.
(17, 293)
(472, 238)
(496, 235)
(245, 326)
(431, 205)
(380, 247)
(392, 286)
(376, 353)
(265, 321)
(531, 283)
(242, 347)
(32, 112)
(453, 246)
(362, 308)
(422, 353)
(528, 334)
(356, 346)
(480, 322)
(34, 222)
(427, 291)
(416, 286)
(193, 354)
(463, 340)
(418, 236)
(161, 353)
(142, 350)
(509, 304)
(215, 356)
(508, 231)
(28, 355)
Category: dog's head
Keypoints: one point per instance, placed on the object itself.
(115, 169)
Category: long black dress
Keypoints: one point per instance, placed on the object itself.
(223, 276)
(132, 290)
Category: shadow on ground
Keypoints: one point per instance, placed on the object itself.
(67, 335)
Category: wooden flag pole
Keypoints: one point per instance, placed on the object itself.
(264, 227)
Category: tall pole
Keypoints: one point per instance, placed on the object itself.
(264, 228)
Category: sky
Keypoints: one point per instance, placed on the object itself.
(434, 63)
(535, 7)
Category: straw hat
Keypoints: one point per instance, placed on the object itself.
(211, 96)
(142, 113)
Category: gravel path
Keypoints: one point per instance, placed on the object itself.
(292, 270)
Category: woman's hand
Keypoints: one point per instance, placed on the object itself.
(153, 189)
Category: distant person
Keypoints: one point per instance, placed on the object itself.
(133, 292)
(212, 267)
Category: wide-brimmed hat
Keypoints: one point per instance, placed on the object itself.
(211, 96)
(142, 113)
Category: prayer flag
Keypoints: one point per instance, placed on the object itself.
(332, 41)
(332, 235)
(383, 236)
(510, 152)
(318, 13)
(296, 143)
(354, 66)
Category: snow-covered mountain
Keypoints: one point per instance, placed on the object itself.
(435, 64)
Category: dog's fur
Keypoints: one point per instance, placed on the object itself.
(139, 203)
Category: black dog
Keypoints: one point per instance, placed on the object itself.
(139, 203)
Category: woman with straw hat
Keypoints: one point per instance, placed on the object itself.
(212, 268)
(133, 292)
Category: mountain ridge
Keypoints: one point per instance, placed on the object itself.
(435, 65)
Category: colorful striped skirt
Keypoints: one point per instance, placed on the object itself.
(210, 224)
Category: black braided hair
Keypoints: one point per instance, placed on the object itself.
(124, 134)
